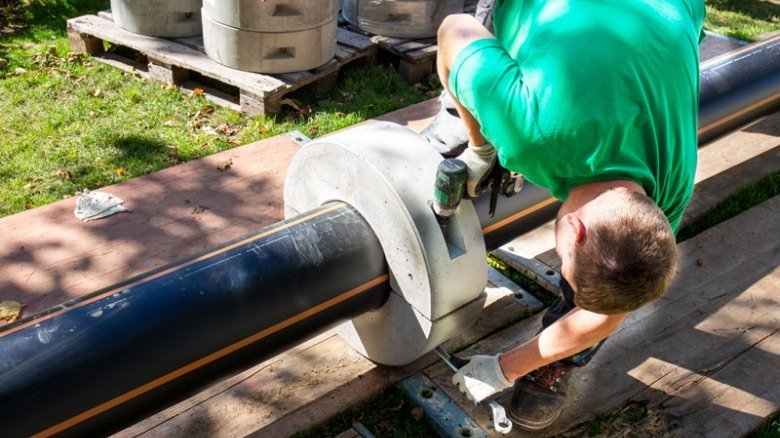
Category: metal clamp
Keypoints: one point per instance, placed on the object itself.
(500, 422)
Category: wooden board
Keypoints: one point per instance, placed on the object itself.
(49, 256)
(177, 61)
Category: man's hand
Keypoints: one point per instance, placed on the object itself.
(481, 378)
(479, 161)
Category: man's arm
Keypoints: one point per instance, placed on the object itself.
(579, 330)
(573, 333)
(455, 33)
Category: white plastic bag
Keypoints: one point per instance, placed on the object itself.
(97, 205)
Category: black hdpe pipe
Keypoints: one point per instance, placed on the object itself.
(738, 87)
(105, 360)
(99, 362)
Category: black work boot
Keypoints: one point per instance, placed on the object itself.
(538, 398)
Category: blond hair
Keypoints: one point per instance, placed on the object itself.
(629, 257)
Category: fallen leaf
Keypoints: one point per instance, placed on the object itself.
(3, 62)
(10, 311)
(197, 91)
(75, 56)
(170, 122)
(97, 93)
(226, 130)
(208, 109)
(418, 413)
(63, 173)
(224, 165)
(20, 71)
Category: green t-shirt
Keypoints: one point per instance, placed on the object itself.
(578, 91)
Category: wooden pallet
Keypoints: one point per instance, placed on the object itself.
(416, 57)
(182, 62)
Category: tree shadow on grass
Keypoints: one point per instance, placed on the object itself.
(51, 13)
(143, 151)
(757, 9)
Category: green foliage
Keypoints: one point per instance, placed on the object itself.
(743, 19)
(51, 13)
(68, 122)
(743, 199)
(769, 429)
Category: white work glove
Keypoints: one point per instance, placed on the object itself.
(481, 378)
(480, 161)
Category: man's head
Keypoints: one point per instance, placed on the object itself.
(618, 251)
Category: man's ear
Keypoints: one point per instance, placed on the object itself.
(580, 232)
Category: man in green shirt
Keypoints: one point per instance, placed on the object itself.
(595, 100)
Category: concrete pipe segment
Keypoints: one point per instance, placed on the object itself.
(158, 18)
(400, 18)
(272, 36)
(386, 172)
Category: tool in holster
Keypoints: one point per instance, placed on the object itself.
(501, 423)
(504, 182)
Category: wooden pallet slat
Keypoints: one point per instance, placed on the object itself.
(174, 61)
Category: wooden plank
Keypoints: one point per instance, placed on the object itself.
(174, 53)
(414, 72)
(166, 73)
(49, 256)
(81, 42)
(352, 39)
(421, 55)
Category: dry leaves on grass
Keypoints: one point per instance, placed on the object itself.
(10, 311)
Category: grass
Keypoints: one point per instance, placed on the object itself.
(770, 428)
(69, 123)
(743, 19)
(743, 199)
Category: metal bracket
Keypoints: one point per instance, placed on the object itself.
(537, 271)
(446, 418)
